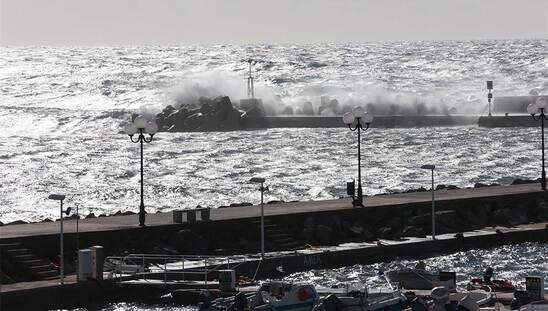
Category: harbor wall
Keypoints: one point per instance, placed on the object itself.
(379, 121)
(329, 227)
(508, 121)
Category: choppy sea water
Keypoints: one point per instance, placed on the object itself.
(183, 170)
(62, 108)
(511, 262)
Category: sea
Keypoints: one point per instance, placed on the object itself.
(62, 110)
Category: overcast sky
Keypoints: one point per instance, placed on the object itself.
(128, 22)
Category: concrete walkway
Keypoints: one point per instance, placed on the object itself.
(162, 219)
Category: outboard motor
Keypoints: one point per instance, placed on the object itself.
(487, 275)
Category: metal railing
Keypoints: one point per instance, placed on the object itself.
(169, 268)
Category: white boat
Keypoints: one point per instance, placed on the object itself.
(413, 278)
(362, 301)
(275, 296)
(280, 296)
(441, 299)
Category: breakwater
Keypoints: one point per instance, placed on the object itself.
(378, 122)
(291, 225)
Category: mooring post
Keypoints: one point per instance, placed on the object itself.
(165, 270)
(205, 261)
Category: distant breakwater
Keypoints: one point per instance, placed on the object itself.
(220, 114)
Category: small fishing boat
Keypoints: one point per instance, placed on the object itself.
(441, 299)
(413, 278)
(362, 301)
(281, 296)
(269, 296)
(495, 285)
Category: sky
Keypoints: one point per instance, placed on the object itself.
(175, 22)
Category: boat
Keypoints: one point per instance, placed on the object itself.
(412, 278)
(441, 299)
(269, 296)
(495, 285)
(282, 296)
(362, 301)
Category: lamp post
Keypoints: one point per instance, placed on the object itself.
(432, 167)
(538, 112)
(358, 120)
(261, 181)
(60, 198)
(142, 126)
(489, 94)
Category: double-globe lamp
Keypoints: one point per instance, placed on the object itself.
(538, 112)
(141, 126)
(358, 120)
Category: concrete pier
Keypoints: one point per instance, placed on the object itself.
(165, 220)
(116, 233)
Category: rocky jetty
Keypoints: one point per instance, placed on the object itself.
(217, 114)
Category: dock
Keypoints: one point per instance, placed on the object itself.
(115, 231)
(49, 294)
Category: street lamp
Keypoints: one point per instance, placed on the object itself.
(142, 126)
(60, 197)
(358, 120)
(259, 180)
(432, 167)
(538, 108)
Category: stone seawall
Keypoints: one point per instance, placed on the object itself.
(317, 227)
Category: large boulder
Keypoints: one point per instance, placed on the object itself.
(194, 121)
(223, 107)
